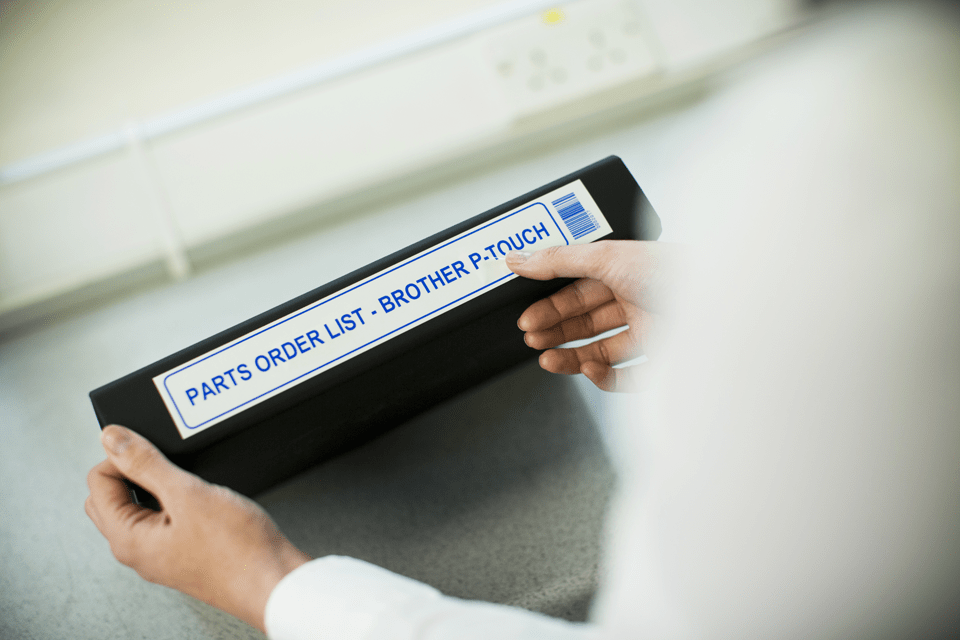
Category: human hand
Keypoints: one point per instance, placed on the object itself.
(621, 283)
(207, 541)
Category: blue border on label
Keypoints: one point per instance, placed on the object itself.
(344, 292)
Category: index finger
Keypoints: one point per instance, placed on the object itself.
(110, 500)
(574, 300)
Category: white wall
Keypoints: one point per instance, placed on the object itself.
(387, 91)
(75, 68)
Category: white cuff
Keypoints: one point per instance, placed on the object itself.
(339, 598)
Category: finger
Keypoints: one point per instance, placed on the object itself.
(575, 299)
(90, 509)
(604, 318)
(607, 352)
(137, 459)
(627, 379)
(634, 270)
(109, 504)
(106, 487)
(572, 261)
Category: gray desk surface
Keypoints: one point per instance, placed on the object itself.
(498, 494)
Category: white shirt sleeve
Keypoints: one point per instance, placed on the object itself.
(795, 471)
(348, 599)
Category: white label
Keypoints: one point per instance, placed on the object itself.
(311, 340)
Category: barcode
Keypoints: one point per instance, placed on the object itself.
(579, 221)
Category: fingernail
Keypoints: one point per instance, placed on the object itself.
(518, 257)
(115, 439)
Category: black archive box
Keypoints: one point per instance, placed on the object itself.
(364, 396)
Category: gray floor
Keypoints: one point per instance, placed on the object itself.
(498, 494)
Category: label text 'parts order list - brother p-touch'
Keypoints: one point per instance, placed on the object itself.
(269, 360)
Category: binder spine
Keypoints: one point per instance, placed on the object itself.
(391, 378)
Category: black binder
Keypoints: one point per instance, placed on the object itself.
(362, 397)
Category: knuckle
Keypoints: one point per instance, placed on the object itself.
(123, 552)
(579, 293)
(587, 325)
(97, 472)
(549, 251)
(216, 493)
(551, 255)
(91, 477)
(142, 459)
(604, 352)
(194, 492)
(560, 335)
(554, 306)
(150, 576)
(256, 520)
(570, 329)
(226, 495)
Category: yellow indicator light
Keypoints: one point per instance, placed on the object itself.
(553, 16)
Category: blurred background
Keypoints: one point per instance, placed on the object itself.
(142, 141)
(168, 170)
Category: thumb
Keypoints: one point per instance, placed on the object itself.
(642, 272)
(137, 459)
(574, 261)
